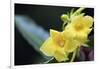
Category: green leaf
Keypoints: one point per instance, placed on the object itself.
(34, 34)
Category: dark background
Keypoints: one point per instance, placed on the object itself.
(47, 17)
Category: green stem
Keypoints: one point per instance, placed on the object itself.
(63, 26)
(49, 60)
(73, 56)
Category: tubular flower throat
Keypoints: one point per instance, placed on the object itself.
(54, 46)
(79, 28)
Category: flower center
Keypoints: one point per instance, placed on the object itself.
(60, 41)
(78, 27)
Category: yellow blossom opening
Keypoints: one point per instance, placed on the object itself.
(79, 28)
(57, 37)
(54, 46)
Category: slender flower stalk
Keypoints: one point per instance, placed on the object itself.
(78, 11)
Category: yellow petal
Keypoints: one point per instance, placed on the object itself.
(48, 47)
(87, 30)
(77, 19)
(88, 21)
(68, 33)
(71, 45)
(60, 55)
(57, 37)
(82, 37)
(54, 33)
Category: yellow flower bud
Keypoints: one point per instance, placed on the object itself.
(64, 17)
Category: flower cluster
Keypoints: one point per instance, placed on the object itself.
(60, 44)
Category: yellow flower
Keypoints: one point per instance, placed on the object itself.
(79, 28)
(54, 46)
